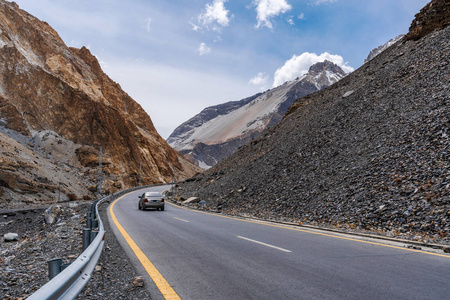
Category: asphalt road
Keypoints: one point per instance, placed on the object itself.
(209, 256)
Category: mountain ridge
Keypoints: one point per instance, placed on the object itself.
(383, 47)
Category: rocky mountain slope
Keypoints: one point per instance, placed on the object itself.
(369, 153)
(220, 130)
(57, 108)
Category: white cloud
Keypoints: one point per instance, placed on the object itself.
(148, 23)
(301, 16)
(267, 9)
(214, 14)
(204, 49)
(291, 20)
(299, 65)
(260, 80)
(195, 27)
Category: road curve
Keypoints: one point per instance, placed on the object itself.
(210, 256)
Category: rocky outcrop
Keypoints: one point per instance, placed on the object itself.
(370, 153)
(434, 16)
(220, 130)
(57, 100)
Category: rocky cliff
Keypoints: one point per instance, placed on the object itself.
(434, 16)
(220, 130)
(369, 153)
(56, 102)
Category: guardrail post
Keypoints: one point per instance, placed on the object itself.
(63, 266)
(89, 220)
(94, 223)
(93, 235)
(54, 267)
(86, 238)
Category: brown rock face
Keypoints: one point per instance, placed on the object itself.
(47, 86)
(435, 15)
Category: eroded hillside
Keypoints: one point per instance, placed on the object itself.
(50, 90)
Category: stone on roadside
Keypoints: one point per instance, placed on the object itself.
(138, 281)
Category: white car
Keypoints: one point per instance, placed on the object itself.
(151, 200)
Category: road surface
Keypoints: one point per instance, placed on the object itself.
(195, 255)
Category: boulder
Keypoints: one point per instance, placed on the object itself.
(51, 214)
(191, 200)
(10, 237)
(117, 184)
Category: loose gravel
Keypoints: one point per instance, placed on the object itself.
(23, 263)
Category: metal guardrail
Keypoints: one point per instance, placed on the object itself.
(67, 281)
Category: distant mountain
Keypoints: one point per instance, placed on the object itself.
(381, 48)
(369, 153)
(57, 108)
(220, 130)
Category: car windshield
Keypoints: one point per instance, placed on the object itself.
(152, 194)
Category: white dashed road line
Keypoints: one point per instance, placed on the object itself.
(264, 244)
(180, 219)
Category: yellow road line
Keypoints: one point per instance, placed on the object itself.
(163, 286)
(317, 233)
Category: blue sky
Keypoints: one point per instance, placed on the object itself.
(176, 57)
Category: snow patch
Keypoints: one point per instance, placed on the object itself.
(203, 165)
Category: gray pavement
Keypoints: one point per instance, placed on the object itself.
(209, 256)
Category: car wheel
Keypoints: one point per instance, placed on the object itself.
(162, 208)
(139, 206)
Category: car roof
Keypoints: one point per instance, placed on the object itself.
(154, 194)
